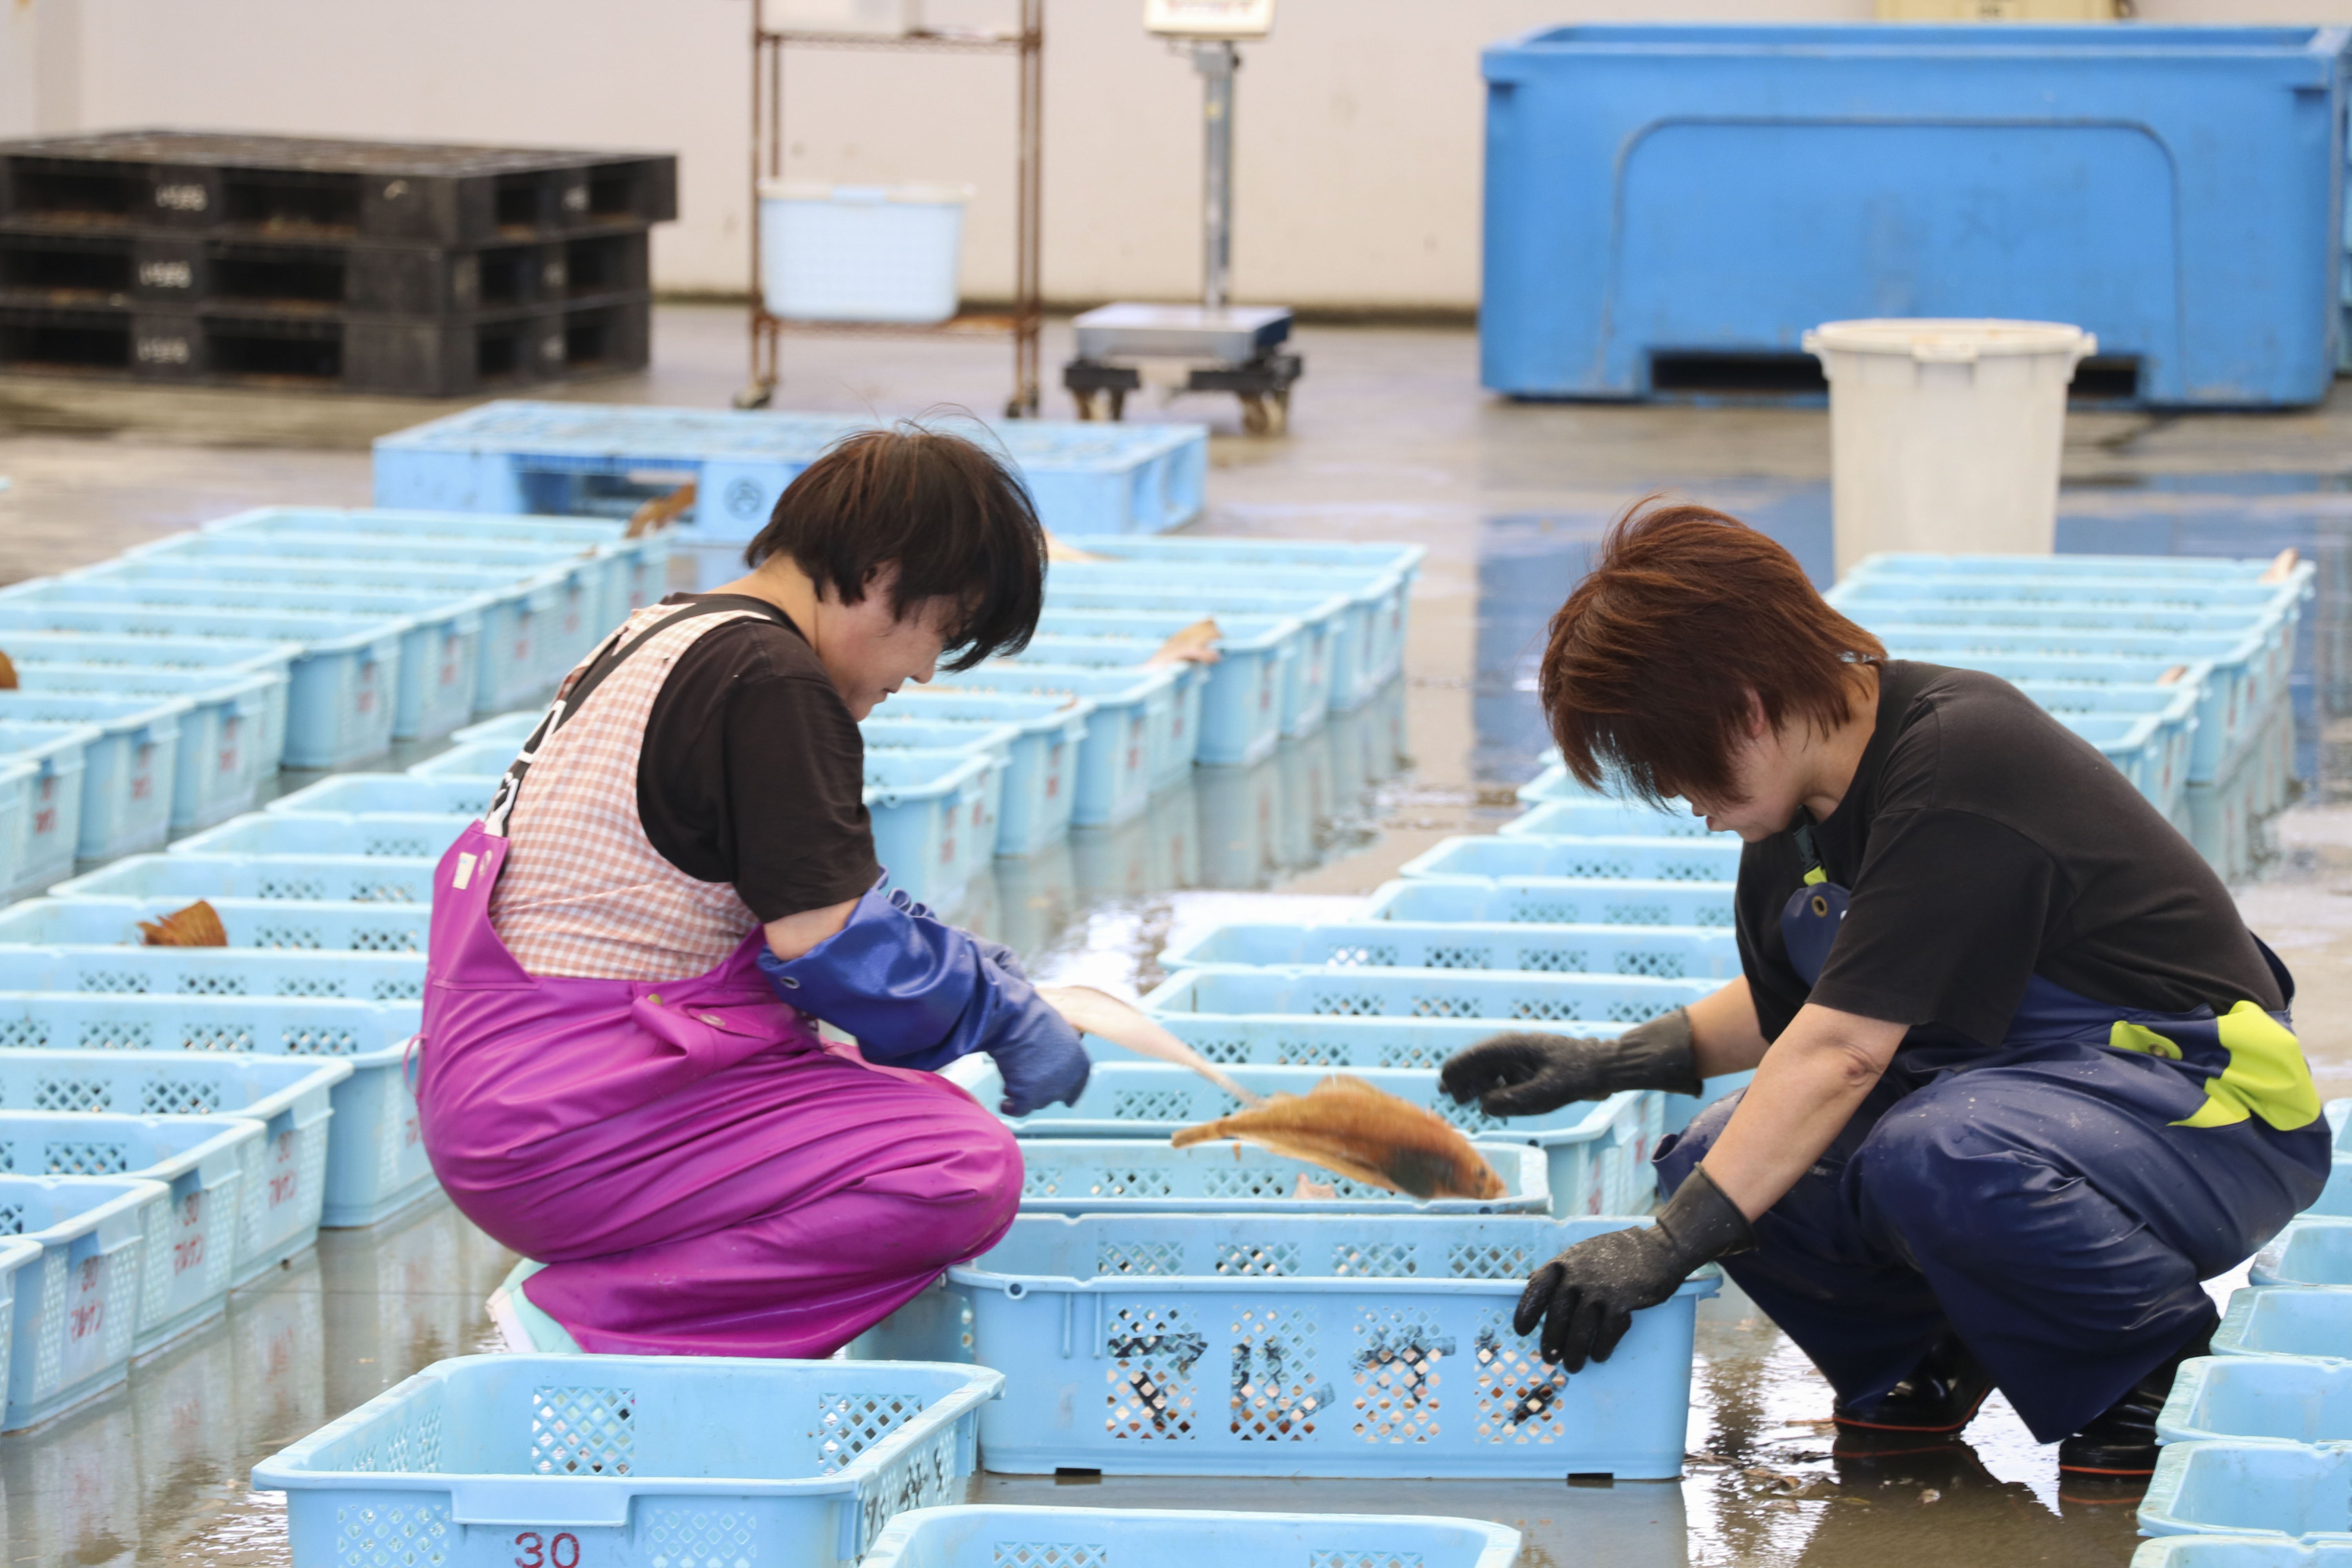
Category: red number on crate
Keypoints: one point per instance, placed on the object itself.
(143, 787)
(186, 1254)
(282, 1188)
(409, 1136)
(46, 819)
(563, 1552)
(83, 1321)
(555, 1551)
(529, 1542)
(191, 1209)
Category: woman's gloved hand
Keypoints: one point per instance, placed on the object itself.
(1528, 1074)
(1040, 1060)
(1586, 1297)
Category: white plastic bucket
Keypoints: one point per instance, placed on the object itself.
(1945, 435)
(861, 253)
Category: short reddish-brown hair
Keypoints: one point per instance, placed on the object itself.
(1686, 612)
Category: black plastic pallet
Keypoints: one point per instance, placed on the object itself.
(444, 356)
(302, 187)
(39, 268)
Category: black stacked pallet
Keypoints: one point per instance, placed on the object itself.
(355, 266)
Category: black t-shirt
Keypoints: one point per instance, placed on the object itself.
(1983, 842)
(753, 773)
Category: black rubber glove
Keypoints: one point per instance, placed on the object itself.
(1523, 1074)
(1586, 1297)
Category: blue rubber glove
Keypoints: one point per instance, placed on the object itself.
(915, 992)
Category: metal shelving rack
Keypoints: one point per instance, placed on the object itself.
(1022, 322)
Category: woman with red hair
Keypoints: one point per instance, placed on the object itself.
(2023, 1077)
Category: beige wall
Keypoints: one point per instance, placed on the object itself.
(1359, 122)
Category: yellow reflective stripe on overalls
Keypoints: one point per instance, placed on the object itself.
(1816, 876)
(2266, 1075)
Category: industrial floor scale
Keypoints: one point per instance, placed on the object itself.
(1213, 346)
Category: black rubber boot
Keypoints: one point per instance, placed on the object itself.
(2120, 1445)
(1939, 1397)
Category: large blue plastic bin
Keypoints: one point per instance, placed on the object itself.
(1713, 858)
(2265, 1398)
(991, 1536)
(412, 836)
(15, 1253)
(2311, 1250)
(291, 1098)
(202, 1161)
(1139, 736)
(352, 879)
(1423, 994)
(509, 729)
(601, 459)
(630, 1459)
(1297, 1039)
(2300, 1321)
(2268, 1488)
(1686, 953)
(1301, 1345)
(216, 674)
(1373, 624)
(375, 1158)
(129, 773)
(1657, 191)
(50, 833)
(1136, 1175)
(231, 728)
(635, 570)
(339, 706)
(1044, 766)
(20, 788)
(1242, 692)
(77, 1307)
(1305, 692)
(1340, 622)
(1553, 900)
(893, 734)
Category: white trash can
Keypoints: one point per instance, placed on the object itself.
(861, 253)
(1945, 435)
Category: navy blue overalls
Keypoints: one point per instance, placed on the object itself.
(2053, 1200)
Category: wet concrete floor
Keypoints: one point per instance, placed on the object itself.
(1392, 439)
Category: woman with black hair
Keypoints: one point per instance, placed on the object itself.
(621, 1076)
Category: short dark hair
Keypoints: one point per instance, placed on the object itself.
(1686, 611)
(948, 514)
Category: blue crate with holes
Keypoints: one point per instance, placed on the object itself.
(93, 969)
(2239, 1551)
(1598, 817)
(2292, 1490)
(2058, 681)
(403, 792)
(291, 1099)
(1553, 900)
(21, 794)
(1362, 1345)
(934, 815)
(339, 703)
(890, 733)
(243, 686)
(319, 879)
(441, 649)
(1371, 629)
(15, 1253)
(127, 773)
(2297, 1322)
(1140, 735)
(485, 761)
(996, 1535)
(480, 1460)
(375, 1159)
(1135, 1175)
(1298, 650)
(1332, 619)
(2311, 1250)
(1044, 766)
(600, 460)
(76, 1306)
(1241, 690)
(53, 798)
(1671, 953)
(1595, 1157)
(190, 1241)
(321, 929)
(1713, 858)
(1328, 992)
(2259, 1399)
(635, 571)
(399, 835)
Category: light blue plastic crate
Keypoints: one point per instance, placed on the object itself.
(1345, 1042)
(2222, 731)
(1136, 1175)
(20, 785)
(339, 706)
(441, 649)
(1303, 1345)
(991, 1536)
(2311, 1250)
(2072, 592)
(2157, 569)
(2151, 750)
(292, 1099)
(623, 1459)
(1422, 994)
(635, 570)
(50, 819)
(15, 1253)
(1713, 858)
(1553, 900)
(1138, 736)
(349, 878)
(375, 1159)
(94, 968)
(202, 1161)
(1043, 768)
(509, 729)
(232, 728)
(2290, 1489)
(300, 929)
(1671, 953)
(2294, 1321)
(1594, 1157)
(130, 771)
(473, 763)
(934, 815)
(1583, 815)
(1242, 693)
(1304, 691)
(2259, 1399)
(1341, 621)
(572, 458)
(406, 835)
(404, 792)
(76, 1306)
(214, 671)
(2238, 1552)
(1373, 624)
(892, 733)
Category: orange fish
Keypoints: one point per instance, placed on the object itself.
(1364, 1133)
(1196, 643)
(7, 673)
(198, 925)
(659, 512)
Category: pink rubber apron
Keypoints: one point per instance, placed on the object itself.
(701, 1174)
